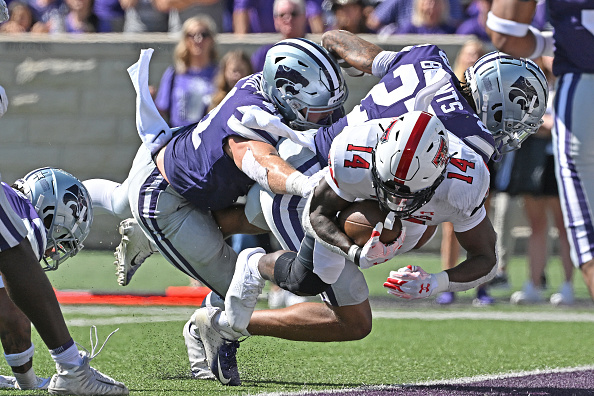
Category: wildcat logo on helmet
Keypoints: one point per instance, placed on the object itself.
(290, 79)
(74, 199)
(523, 93)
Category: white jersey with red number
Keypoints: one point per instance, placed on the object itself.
(458, 199)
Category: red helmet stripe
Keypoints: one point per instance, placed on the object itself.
(411, 146)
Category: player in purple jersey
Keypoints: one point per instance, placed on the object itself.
(573, 132)
(177, 192)
(52, 231)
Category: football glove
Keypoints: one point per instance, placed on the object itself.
(375, 252)
(412, 282)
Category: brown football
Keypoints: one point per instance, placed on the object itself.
(359, 219)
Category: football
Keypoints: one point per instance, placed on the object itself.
(359, 219)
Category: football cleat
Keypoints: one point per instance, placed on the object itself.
(445, 298)
(40, 383)
(219, 348)
(198, 364)
(483, 298)
(7, 382)
(243, 292)
(133, 249)
(83, 379)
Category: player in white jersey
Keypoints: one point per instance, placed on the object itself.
(432, 178)
(571, 43)
(52, 231)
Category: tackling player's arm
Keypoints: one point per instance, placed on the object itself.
(357, 52)
(508, 26)
(262, 163)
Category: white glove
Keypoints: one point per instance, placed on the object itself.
(412, 282)
(375, 252)
(350, 70)
(3, 98)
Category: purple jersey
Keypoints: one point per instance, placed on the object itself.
(403, 74)
(23, 208)
(573, 21)
(195, 162)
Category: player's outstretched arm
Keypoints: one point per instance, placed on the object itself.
(351, 48)
(508, 26)
(481, 261)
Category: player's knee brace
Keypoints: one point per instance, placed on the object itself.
(292, 274)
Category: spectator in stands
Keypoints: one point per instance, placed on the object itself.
(234, 65)
(143, 16)
(182, 10)
(533, 177)
(81, 18)
(110, 15)
(46, 10)
(389, 15)
(470, 52)
(477, 23)
(257, 16)
(350, 15)
(20, 20)
(429, 17)
(185, 90)
(289, 21)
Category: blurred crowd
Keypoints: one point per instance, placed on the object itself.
(383, 17)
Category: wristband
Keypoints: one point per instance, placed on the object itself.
(545, 45)
(354, 254)
(443, 282)
(505, 26)
(295, 183)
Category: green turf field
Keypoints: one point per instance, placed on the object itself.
(148, 353)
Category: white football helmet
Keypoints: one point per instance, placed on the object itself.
(510, 95)
(64, 206)
(409, 161)
(302, 79)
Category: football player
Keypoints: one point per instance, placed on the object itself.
(404, 76)
(509, 27)
(177, 192)
(45, 216)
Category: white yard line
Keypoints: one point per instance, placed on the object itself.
(111, 315)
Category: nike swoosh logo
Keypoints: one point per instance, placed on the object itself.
(159, 134)
(222, 378)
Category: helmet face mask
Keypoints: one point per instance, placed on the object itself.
(64, 206)
(304, 82)
(510, 96)
(409, 161)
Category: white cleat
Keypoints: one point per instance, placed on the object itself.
(196, 354)
(220, 347)
(132, 251)
(83, 379)
(41, 383)
(7, 382)
(243, 292)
